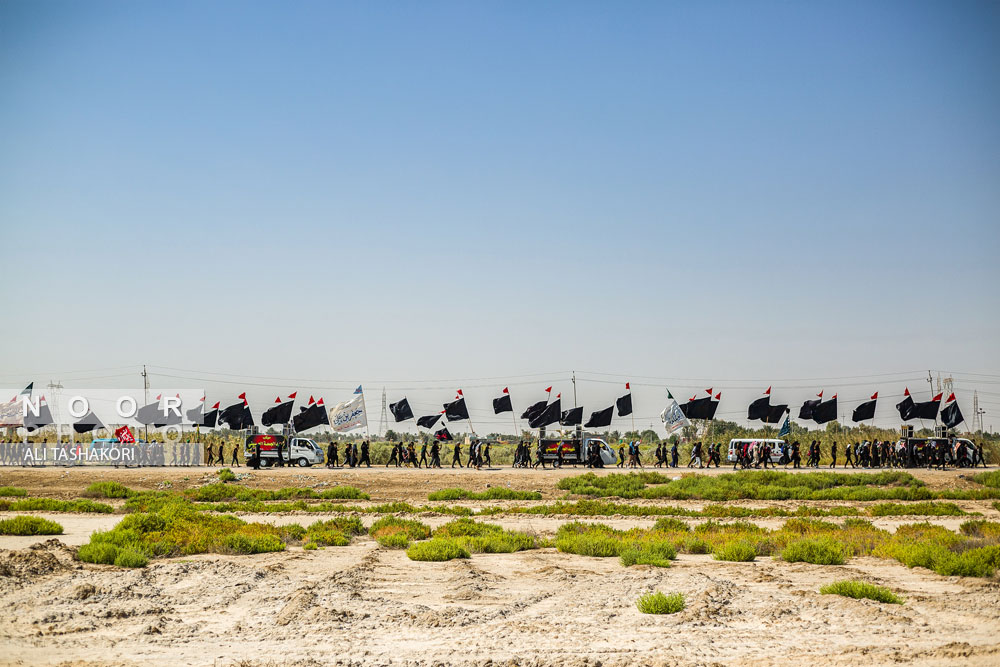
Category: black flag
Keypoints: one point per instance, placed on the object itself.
(906, 407)
(775, 414)
(33, 422)
(759, 408)
(87, 423)
(951, 416)
(601, 418)
(700, 408)
(210, 418)
(806, 411)
(826, 411)
(310, 417)
(237, 416)
(279, 413)
(428, 421)
(443, 435)
(624, 405)
(927, 409)
(456, 410)
(401, 410)
(550, 415)
(865, 411)
(534, 409)
(572, 417)
(502, 404)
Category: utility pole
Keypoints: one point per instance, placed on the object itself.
(383, 422)
(574, 389)
(145, 396)
(54, 388)
(930, 381)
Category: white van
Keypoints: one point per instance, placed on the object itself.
(737, 443)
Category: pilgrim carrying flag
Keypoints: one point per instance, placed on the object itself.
(826, 411)
(456, 410)
(311, 416)
(428, 421)
(401, 410)
(865, 411)
(572, 417)
(87, 423)
(906, 406)
(550, 415)
(601, 418)
(951, 416)
(503, 403)
(533, 410)
(443, 435)
(280, 412)
(624, 404)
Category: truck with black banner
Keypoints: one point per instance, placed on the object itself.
(577, 448)
(294, 450)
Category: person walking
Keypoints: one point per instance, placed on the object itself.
(423, 457)
(456, 457)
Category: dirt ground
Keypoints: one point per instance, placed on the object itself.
(365, 605)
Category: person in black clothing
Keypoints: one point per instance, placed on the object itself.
(457, 456)
(796, 457)
(235, 461)
(486, 456)
(256, 456)
(435, 455)
(331, 454)
(365, 458)
(423, 457)
(210, 454)
(674, 455)
(833, 454)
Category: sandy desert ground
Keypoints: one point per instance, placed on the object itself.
(366, 605)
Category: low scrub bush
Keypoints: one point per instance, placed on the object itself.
(658, 603)
(437, 549)
(12, 491)
(80, 506)
(226, 475)
(741, 552)
(310, 546)
(395, 533)
(479, 537)
(919, 509)
(494, 493)
(861, 590)
(658, 554)
(334, 532)
(101, 553)
(980, 528)
(130, 558)
(396, 540)
(990, 479)
(219, 491)
(29, 525)
(242, 543)
(109, 489)
(820, 551)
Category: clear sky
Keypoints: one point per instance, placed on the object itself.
(722, 193)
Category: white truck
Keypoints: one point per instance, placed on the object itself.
(294, 450)
(577, 448)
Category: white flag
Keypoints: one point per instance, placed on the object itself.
(349, 415)
(673, 418)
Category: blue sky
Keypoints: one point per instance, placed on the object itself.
(426, 191)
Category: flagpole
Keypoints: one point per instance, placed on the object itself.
(513, 417)
(365, 406)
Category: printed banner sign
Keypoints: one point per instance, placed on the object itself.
(673, 418)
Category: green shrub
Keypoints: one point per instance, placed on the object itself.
(696, 545)
(241, 543)
(436, 549)
(10, 491)
(861, 589)
(649, 556)
(130, 558)
(100, 553)
(53, 505)
(108, 489)
(671, 524)
(394, 540)
(820, 551)
(741, 551)
(920, 509)
(990, 479)
(980, 528)
(310, 546)
(226, 475)
(658, 603)
(29, 525)
(389, 526)
(493, 493)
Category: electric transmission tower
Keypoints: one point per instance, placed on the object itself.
(383, 422)
(54, 387)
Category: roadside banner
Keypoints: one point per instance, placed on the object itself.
(124, 434)
(673, 417)
(349, 415)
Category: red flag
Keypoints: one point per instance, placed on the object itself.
(505, 390)
(124, 435)
(875, 395)
(820, 394)
(951, 398)
(834, 396)
(460, 393)
(558, 395)
(216, 406)
(311, 401)
(277, 399)
(938, 397)
(693, 398)
(627, 386)
(158, 396)
(906, 392)
(709, 391)
(292, 395)
(243, 396)
(718, 396)
(549, 390)
(320, 401)
(768, 392)
(203, 399)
